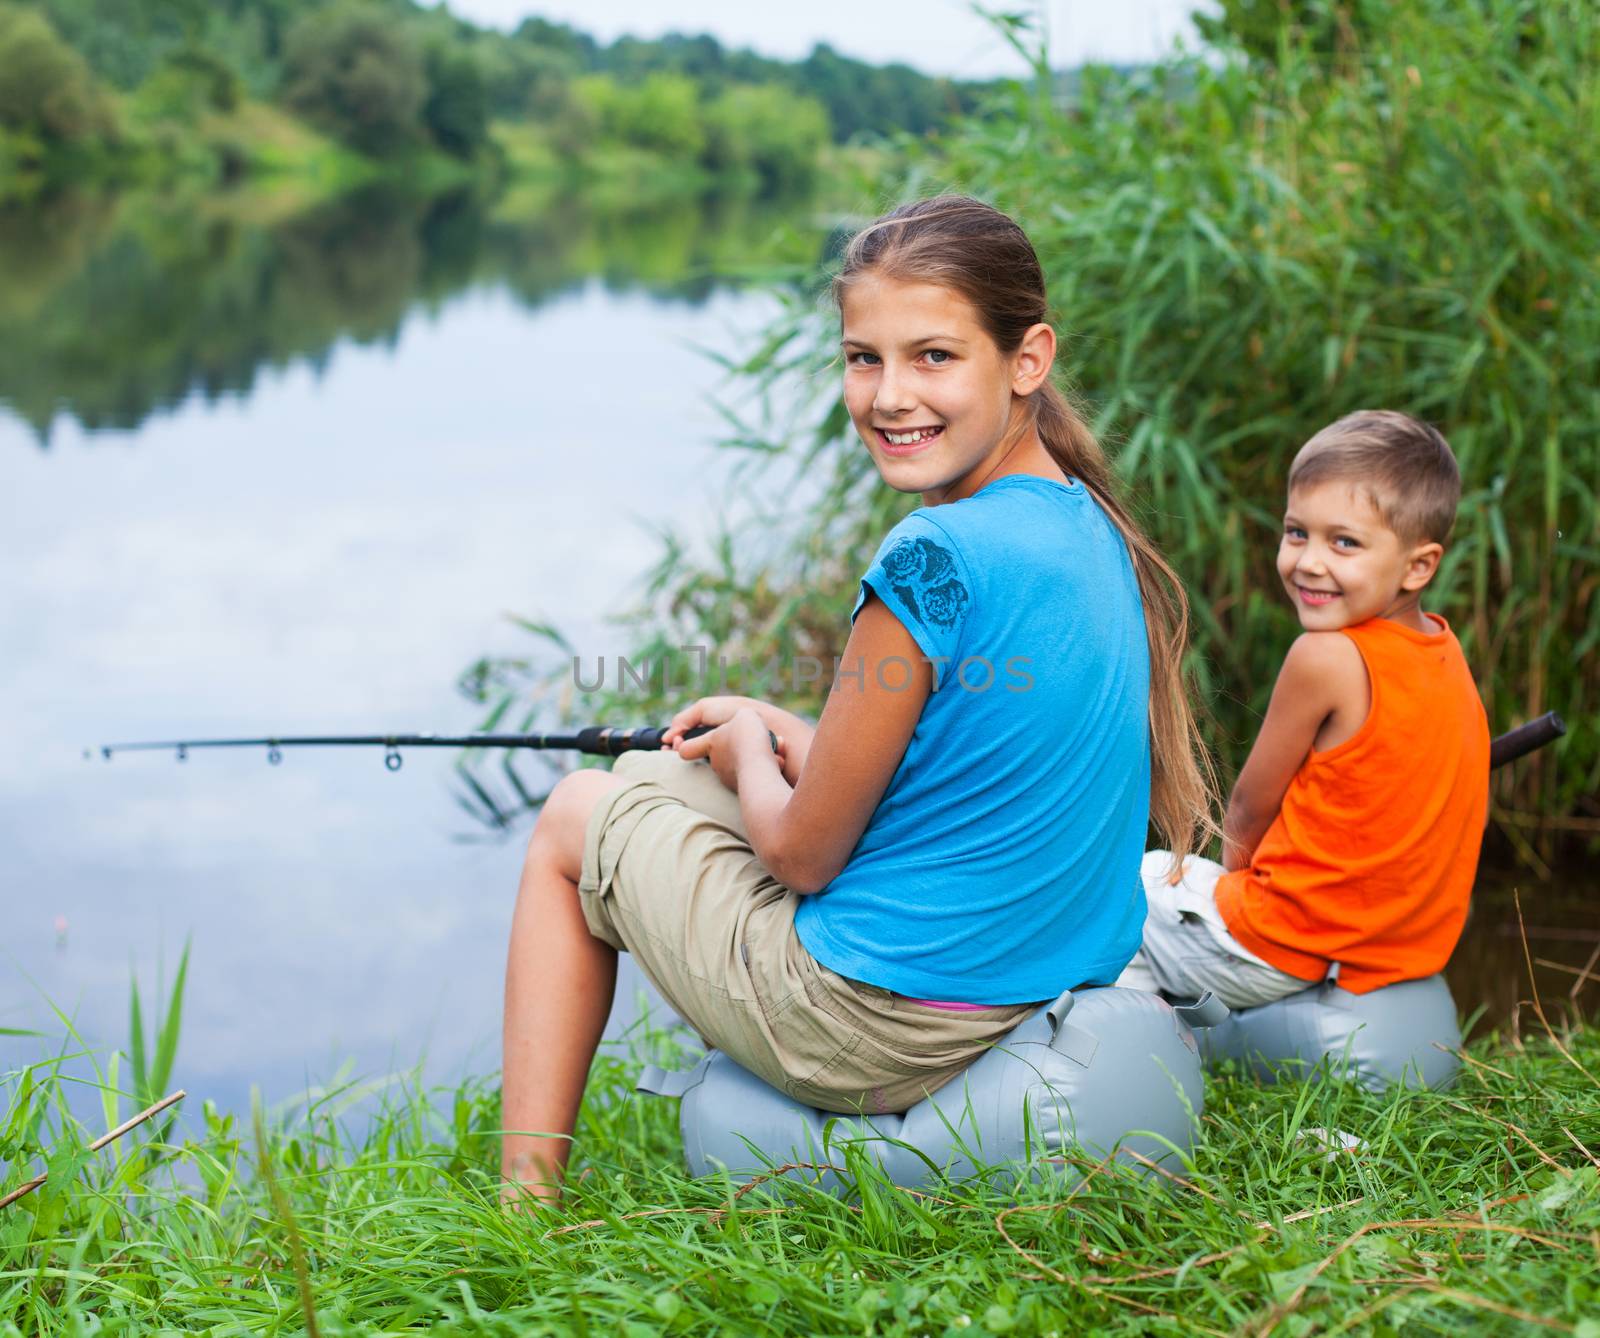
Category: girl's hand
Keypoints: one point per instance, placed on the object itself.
(706, 711)
(743, 734)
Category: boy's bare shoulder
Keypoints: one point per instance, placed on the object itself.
(1324, 661)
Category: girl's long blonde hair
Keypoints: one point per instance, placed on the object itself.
(977, 251)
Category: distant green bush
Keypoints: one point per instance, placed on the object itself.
(857, 98)
(188, 83)
(456, 112)
(763, 135)
(568, 114)
(767, 131)
(47, 90)
(660, 113)
(359, 75)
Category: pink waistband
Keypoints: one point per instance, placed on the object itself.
(952, 1006)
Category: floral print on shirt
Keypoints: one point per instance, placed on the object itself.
(924, 576)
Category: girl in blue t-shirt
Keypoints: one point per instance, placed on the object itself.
(857, 915)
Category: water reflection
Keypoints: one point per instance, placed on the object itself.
(1528, 938)
(299, 464)
(115, 308)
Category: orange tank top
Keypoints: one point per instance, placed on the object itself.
(1371, 858)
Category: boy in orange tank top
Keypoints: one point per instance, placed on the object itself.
(1352, 834)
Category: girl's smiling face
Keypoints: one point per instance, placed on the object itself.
(929, 392)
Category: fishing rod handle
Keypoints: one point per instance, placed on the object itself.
(608, 741)
(1522, 740)
(698, 730)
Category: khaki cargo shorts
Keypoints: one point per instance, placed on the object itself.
(669, 875)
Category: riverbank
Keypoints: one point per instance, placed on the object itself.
(253, 142)
(623, 178)
(1480, 1205)
(259, 146)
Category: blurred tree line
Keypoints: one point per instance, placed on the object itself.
(83, 82)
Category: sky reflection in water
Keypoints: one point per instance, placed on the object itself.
(325, 556)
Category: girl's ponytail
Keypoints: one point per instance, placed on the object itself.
(1183, 785)
(980, 253)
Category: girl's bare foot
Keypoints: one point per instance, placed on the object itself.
(533, 1200)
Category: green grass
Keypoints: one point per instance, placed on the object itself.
(1478, 1207)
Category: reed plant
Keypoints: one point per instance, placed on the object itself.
(1388, 204)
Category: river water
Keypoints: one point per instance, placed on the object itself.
(292, 476)
(268, 469)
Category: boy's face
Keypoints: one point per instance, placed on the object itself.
(1341, 563)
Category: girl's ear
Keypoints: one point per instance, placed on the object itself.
(1420, 568)
(1033, 359)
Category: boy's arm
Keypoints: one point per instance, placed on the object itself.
(1323, 674)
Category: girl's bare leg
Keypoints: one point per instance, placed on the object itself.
(560, 981)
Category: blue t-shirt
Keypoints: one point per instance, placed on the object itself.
(1002, 863)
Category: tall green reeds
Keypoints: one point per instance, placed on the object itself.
(1242, 254)
(1240, 250)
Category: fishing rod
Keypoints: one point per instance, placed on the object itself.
(1522, 740)
(608, 741)
(600, 740)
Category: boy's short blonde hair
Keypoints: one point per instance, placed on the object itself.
(1405, 466)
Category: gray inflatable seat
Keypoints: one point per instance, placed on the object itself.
(1405, 1032)
(1120, 1075)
